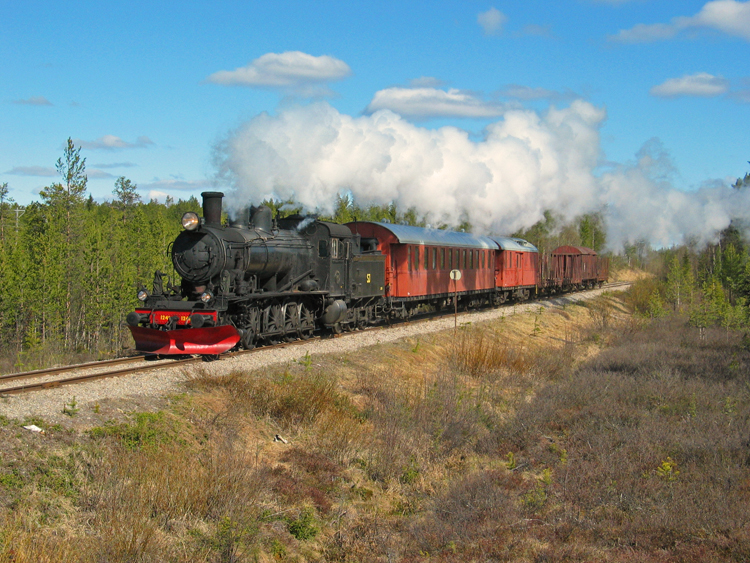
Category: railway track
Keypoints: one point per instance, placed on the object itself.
(40, 379)
(94, 371)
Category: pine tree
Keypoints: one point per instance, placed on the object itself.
(64, 205)
(127, 196)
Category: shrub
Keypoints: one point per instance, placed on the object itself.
(289, 399)
(476, 353)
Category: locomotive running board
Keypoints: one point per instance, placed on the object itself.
(209, 340)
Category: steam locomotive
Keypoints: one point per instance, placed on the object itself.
(263, 280)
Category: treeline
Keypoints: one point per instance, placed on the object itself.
(711, 285)
(70, 266)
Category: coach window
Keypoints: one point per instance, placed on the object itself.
(442, 258)
(471, 259)
(434, 258)
(408, 257)
(416, 258)
(426, 258)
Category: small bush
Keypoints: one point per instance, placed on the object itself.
(288, 399)
(646, 296)
(476, 353)
(303, 527)
(148, 429)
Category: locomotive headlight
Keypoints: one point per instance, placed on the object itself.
(206, 296)
(190, 221)
(143, 294)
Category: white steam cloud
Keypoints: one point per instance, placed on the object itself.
(525, 164)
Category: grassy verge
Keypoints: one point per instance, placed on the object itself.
(566, 434)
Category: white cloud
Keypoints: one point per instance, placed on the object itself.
(742, 96)
(47, 172)
(156, 195)
(112, 143)
(116, 165)
(643, 33)
(426, 82)
(33, 171)
(292, 70)
(527, 163)
(160, 189)
(492, 21)
(726, 16)
(34, 101)
(97, 174)
(432, 102)
(528, 93)
(701, 84)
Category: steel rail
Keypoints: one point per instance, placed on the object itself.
(63, 369)
(90, 377)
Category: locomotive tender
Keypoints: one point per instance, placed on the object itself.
(263, 280)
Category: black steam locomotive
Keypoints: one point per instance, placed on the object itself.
(258, 280)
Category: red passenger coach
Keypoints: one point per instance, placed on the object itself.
(517, 268)
(419, 261)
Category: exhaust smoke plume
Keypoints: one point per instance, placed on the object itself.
(525, 164)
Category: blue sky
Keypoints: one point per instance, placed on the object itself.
(149, 90)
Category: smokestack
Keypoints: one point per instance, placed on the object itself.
(212, 208)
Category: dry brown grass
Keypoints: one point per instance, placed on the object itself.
(563, 435)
